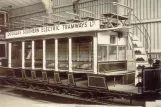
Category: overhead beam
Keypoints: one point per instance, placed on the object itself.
(48, 4)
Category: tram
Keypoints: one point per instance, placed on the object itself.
(81, 57)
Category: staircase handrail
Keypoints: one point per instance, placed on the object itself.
(142, 33)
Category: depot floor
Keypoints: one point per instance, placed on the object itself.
(10, 99)
(16, 98)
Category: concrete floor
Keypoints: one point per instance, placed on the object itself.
(10, 99)
(15, 98)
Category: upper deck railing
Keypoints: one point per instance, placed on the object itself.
(92, 11)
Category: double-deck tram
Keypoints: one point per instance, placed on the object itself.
(87, 58)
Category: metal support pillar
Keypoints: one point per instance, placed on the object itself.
(56, 54)
(44, 54)
(23, 54)
(70, 54)
(95, 54)
(9, 54)
(33, 54)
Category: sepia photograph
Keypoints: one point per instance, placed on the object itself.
(80, 53)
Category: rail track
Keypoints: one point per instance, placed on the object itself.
(88, 96)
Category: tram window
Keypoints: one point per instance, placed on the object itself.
(102, 53)
(112, 53)
(122, 53)
(38, 53)
(75, 51)
(82, 52)
(63, 53)
(112, 39)
(112, 66)
(50, 53)
(2, 50)
(28, 53)
(16, 54)
(28, 50)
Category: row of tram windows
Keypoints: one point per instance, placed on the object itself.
(82, 54)
(110, 56)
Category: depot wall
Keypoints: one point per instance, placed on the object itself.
(148, 11)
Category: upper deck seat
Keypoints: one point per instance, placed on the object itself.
(59, 22)
(106, 23)
(28, 27)
(37, 25)
(88, 18)
(49, 24)
(74, 20)
(113, 18)
(116, 16)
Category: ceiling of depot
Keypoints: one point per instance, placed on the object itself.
(13, 4)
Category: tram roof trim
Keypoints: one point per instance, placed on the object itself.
(85, 26)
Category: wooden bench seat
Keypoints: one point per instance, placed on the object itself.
(49, 24)
(59, 22)
(113, 15)
(74, 20)
(89, 18)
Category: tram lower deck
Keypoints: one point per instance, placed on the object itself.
(85, 62)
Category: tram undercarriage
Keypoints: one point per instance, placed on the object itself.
(88, 87)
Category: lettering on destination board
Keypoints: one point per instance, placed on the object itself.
(14, 33)
(50, 28)
(72, 27)
(75, 25)
(28, 31)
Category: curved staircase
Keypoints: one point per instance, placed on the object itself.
(140, 57)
